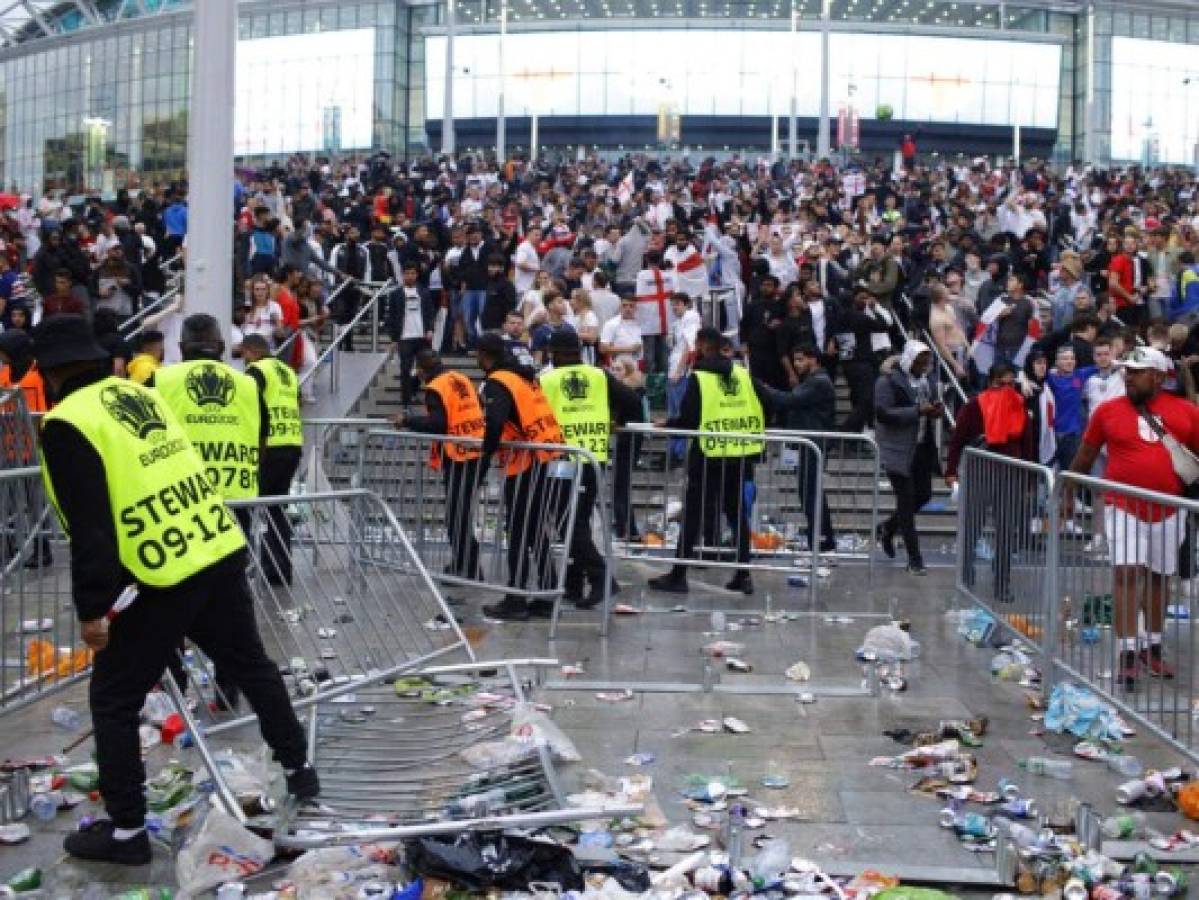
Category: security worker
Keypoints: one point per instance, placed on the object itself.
(515, 409)
(16, 352)
(221, 412)
(720, 397)
(280, 391)
(453, 409)
(586, 400)
(219, 408)
(139, 510)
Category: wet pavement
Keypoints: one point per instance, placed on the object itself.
(850, 815)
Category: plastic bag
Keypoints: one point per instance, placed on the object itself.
(531, 725)
(493, 754)
(977, 627)
(888, 643)
(219, 850)
(478, 861)
(339, 870)
(1080, 711)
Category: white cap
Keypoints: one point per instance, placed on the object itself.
(1148, 358)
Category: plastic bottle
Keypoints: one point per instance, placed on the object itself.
(25, 880)
(473, 806)
(1051, 768)
(718, 621)
(971, 824)
(734, 832)
(1020, 808)
(67, 718)
(1008, 789)
(771, 863)
(1123, 764)
(1126, 825)
(1021, 835)
(45, 806)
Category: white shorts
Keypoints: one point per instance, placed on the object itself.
(1151, 544)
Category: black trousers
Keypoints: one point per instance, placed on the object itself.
(715, 485)
(409, 347)
(808, 471)
(215, 611)
(527, 498)
(586, 562)
(275, 476)
(860, 375)
(911, 493)
(627, 448)
(347, 305)
(461, 481)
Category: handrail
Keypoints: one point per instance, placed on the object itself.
(371, 307)
(160, 303)
(291, 338)
(948, 371)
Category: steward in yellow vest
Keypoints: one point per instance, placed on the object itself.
(140, 513)
(720, 398)
(283, 446)
(586, 401)
(452, 407)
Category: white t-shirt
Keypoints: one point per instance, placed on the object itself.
(682, 342)
(263, 320)
(414, 325)
(819, 322)
(526, 255)
(622, 333)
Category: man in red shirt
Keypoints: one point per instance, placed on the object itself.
(1144, 537)
(1124, 281)
(64, 301)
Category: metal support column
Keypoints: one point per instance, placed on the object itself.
(500, 123)
(823, 138)
(209, 281)
(447, 116)
(1090, 148)
(793, 124)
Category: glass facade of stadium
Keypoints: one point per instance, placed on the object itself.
(93, 93)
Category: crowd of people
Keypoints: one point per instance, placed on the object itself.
(962, 302)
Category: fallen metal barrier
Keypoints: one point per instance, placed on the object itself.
(1007, 542)
(482, 529)
(403, 747)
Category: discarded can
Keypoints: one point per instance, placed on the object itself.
(1075, 889)
(1106, 892)
(1020, 809)
(1170, 882)
(1008, 788)
(1144, 864)
(234, 890)
(1139, 886)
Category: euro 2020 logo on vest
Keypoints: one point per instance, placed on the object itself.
(461, 389)
(575, 387)
(730, 386)
(135, 410)
(286, 378)
(209, 386)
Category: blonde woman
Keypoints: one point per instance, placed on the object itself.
(585, 322)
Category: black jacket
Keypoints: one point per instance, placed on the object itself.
(398, 306)
(471, 271)
(809, 406)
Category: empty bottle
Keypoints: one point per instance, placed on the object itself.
(1123, 764)
(1122, 827)
(971, 824)
(734, 833)
(474, 806)
(45, 806)
(1008, 789)
(1020, 808)
(1021, 835)
(67, 718)
(1051, 768)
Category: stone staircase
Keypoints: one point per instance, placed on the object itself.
(846, 476)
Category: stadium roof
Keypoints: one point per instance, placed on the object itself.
(29, 20)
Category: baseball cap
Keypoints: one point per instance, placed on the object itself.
(1147, 358)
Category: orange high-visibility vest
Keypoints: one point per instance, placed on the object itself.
(463, 417)
(537, 422)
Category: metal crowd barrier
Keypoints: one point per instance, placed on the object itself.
(1084, 570)
(1007, 542)
(402, 747)
(1106, 530)
(494, 533)
(40, 647)
(673, 506)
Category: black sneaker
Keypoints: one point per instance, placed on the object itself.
(95, 842)
(742, 582)
(917, 568)
(886, 540)
(510, 609)
(669, 584)
(304, 784)
(541, 609)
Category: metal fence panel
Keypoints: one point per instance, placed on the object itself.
(1006, 544)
